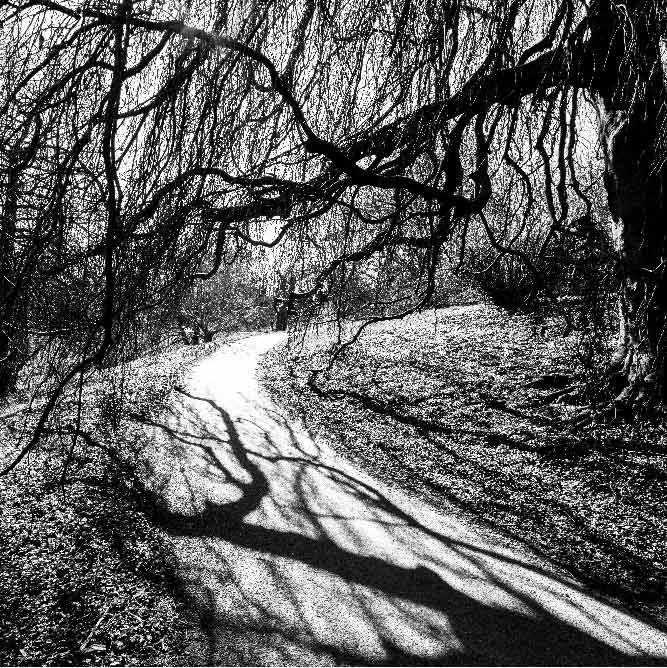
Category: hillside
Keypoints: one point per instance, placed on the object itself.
(86, 576)
(471, 408)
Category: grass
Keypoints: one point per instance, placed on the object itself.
(86, 577)
(469, 407)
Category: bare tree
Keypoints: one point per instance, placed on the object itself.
(162, 138)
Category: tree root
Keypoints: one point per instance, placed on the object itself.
(556, 395)
(550, 380)
(617, 410)
(606, 412)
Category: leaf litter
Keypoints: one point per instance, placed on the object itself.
(469, 407)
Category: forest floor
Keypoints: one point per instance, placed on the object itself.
(460, 407)
(291, 555)
(86, 577)
(470, 408)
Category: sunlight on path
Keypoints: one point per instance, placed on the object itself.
(293, 556)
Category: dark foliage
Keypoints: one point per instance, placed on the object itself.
(144, 146)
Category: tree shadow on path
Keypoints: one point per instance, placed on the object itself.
(481, 632)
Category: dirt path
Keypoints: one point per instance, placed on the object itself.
(292, 556)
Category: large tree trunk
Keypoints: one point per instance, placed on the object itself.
(632, 105)
(639, 215)
(9, 333)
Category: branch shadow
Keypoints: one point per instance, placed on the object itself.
(481, 632)
(569, 447)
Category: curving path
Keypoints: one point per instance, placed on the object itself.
(292, 556)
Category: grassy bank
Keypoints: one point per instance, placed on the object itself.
(472, 408)
(86, 578)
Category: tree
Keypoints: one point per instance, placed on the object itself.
(236, 298)
(629, 78)
(165, 138)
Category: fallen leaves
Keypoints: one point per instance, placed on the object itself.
(458, 405)
(85, 577)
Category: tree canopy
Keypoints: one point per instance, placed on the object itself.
(143, 145)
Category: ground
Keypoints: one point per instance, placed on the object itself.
(293, 556)
(86, 577)
(279, 542)
(468, 407)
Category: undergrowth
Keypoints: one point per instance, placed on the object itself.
(84, 575)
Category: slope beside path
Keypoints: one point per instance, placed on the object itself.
(292, 556)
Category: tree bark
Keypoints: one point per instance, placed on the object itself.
(632, 105)
(9, 330)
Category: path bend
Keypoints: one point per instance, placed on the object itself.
(293, 556)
